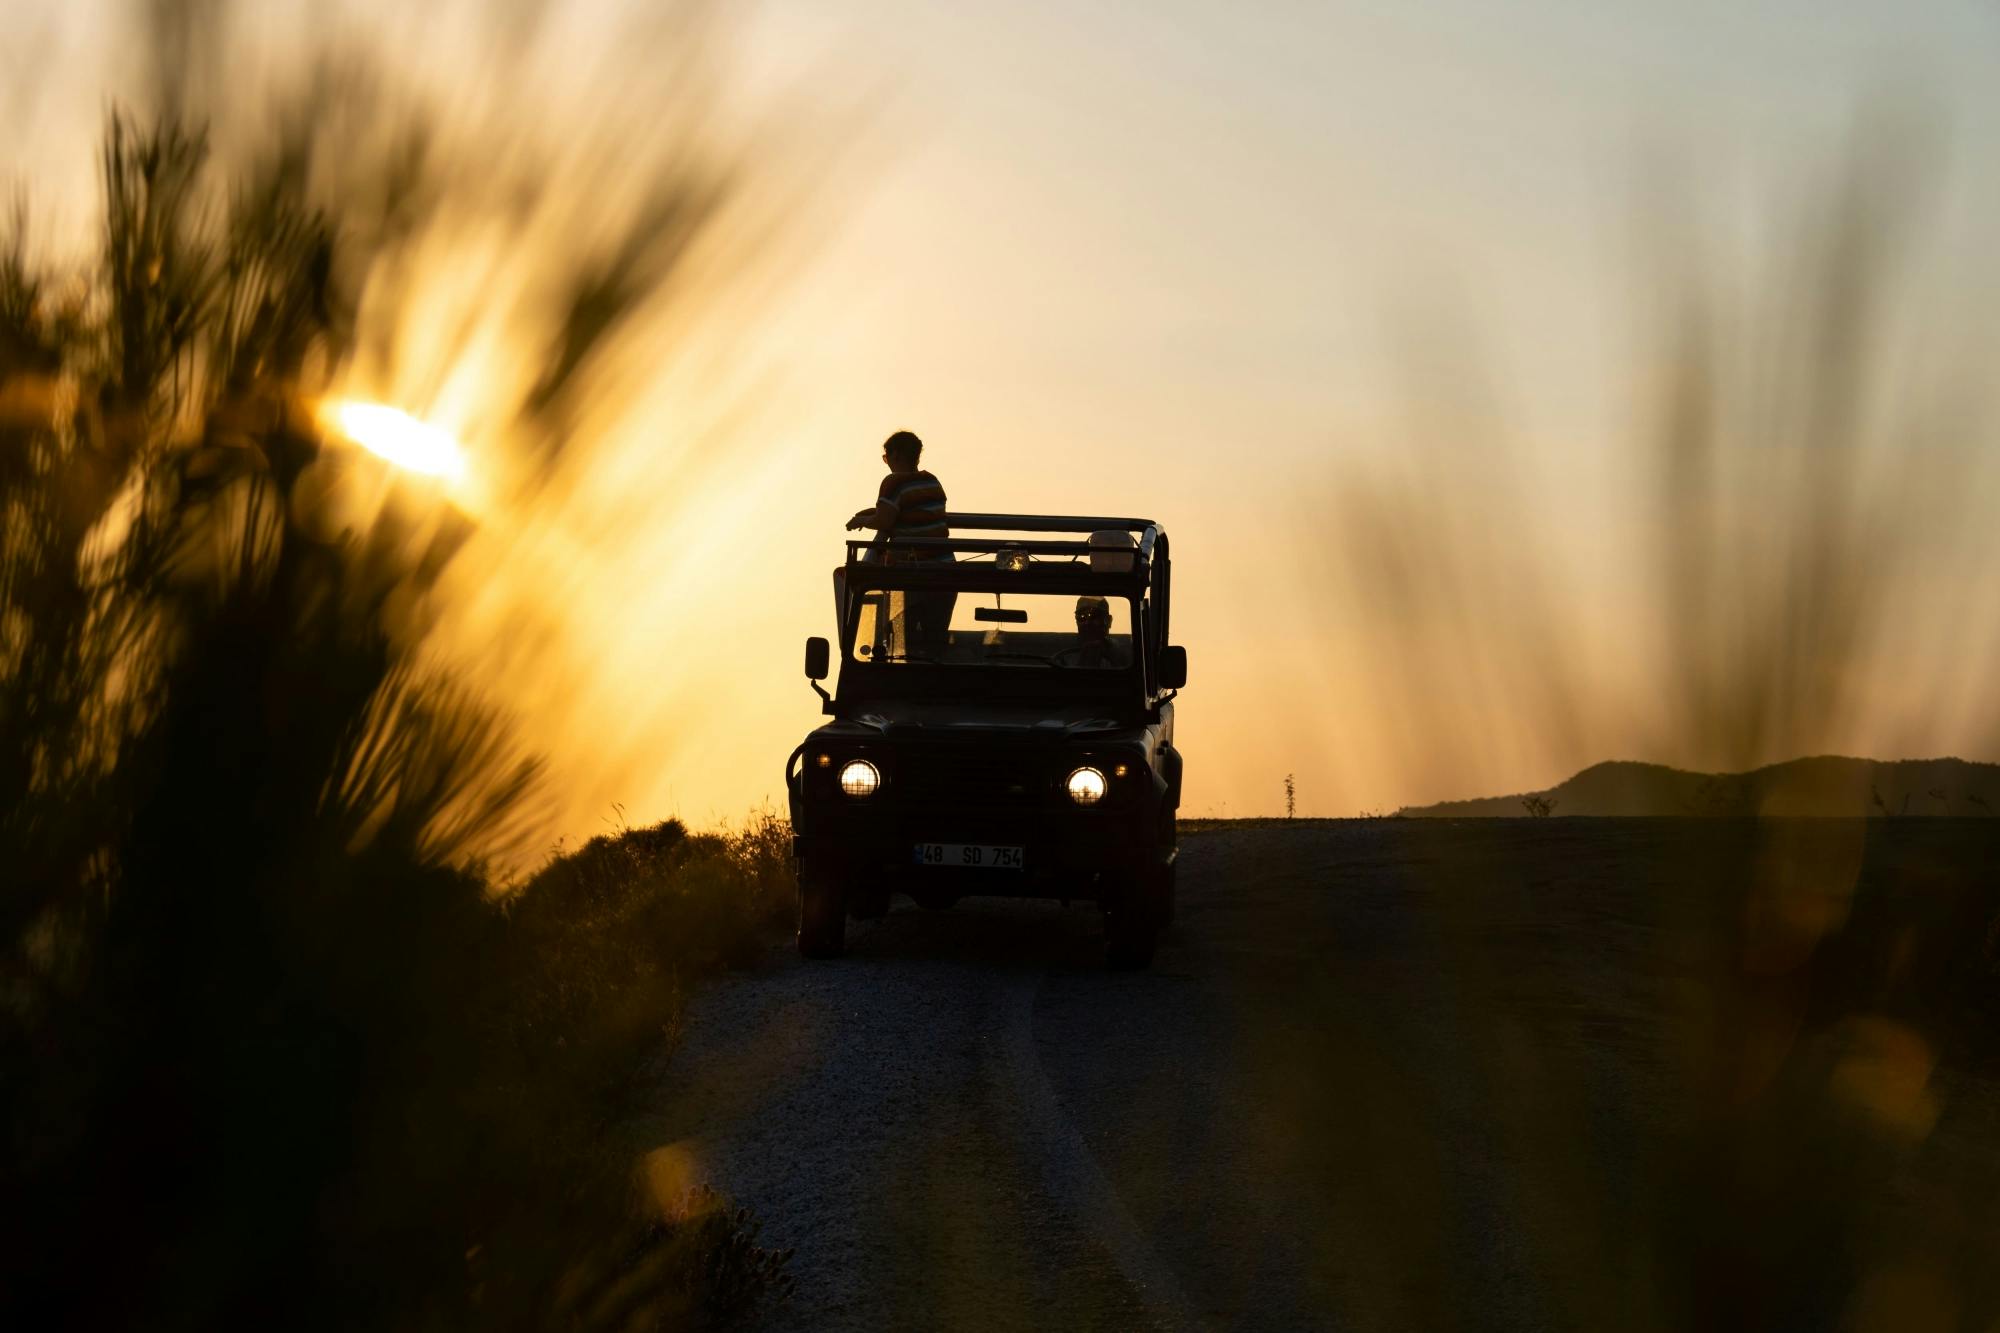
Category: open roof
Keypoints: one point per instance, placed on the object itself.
(1147, 536)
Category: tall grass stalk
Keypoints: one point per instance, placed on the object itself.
(275, 1051)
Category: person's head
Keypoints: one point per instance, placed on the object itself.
(902, 450)
(1093, 618)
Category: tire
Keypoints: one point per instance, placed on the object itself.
(869, 904)
(1132, 928)
(933, 901)
(822, 914)
(1169, 839)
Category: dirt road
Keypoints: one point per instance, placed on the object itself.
(1508, 1075)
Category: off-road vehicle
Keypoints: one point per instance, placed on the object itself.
(1003, 724)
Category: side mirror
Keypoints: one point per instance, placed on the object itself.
(818, 658)
(1173, 667)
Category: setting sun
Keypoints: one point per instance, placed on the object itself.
(391, 433)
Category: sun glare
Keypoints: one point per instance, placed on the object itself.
(391, 433)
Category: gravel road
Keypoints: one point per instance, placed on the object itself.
(1382, 1074)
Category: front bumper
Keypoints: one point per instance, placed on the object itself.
(1061, 849)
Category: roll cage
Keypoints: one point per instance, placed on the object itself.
(1126, 558)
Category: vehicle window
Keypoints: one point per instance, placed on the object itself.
(1030, 630)
(875, 635)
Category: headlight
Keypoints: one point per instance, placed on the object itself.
(1086, 786)
(861, 778)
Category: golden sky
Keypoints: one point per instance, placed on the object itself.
(1362, 301)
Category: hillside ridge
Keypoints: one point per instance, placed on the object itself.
(1818, 785)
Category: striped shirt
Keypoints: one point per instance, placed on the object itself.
(916, 499)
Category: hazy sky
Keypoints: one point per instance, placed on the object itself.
(1163, 257)
(1201, 262)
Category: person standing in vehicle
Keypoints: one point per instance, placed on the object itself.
(909, 504)
(909, 507)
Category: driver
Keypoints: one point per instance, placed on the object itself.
(1094, 646)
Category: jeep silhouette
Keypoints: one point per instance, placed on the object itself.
(1003, 724)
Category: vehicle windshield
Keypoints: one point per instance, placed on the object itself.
(1031, 630)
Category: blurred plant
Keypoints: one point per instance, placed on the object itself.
(1291, 797)
(1539, 806)
(1798, 474)
(273, 1052)
(1797, 479)
(703, 1246)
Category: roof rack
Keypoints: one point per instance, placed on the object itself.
(1149, 536)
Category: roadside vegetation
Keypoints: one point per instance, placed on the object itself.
(280, 1046)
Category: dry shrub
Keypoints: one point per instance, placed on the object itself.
(273, 1054)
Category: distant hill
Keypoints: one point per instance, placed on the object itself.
(1825, 785)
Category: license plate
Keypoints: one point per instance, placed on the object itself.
(979, 856)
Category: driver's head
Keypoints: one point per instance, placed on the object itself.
(1093, 617)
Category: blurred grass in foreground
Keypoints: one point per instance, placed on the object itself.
(1789, 562)
(274, 1051)
(1773, 550)
(1612, 1073)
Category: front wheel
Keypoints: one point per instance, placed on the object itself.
(822, 913)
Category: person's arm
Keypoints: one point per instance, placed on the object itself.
(881, 518)
(883, 515)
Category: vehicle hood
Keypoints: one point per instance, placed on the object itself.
(958, 720)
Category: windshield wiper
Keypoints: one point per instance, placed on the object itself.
(1023, 657)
